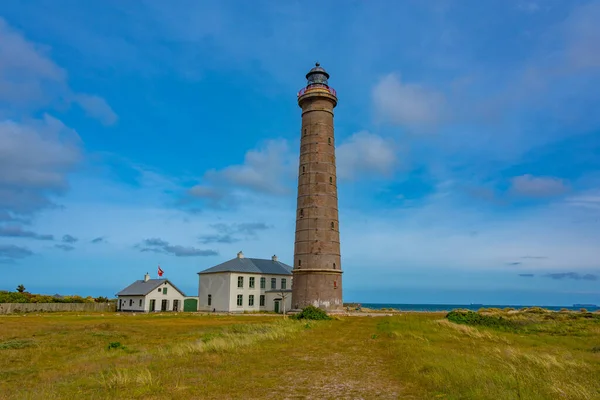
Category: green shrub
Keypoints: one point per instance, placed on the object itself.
(115, 345)
(473, 318)
(535, 310)
(14, 297)
(25, 297)
(312, 312)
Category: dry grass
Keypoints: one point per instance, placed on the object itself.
(187, 356)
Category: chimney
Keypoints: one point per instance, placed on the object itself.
(146, 277)
(274, 258)
(240, 255)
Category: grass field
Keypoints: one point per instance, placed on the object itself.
(188, 356)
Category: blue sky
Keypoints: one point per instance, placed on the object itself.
(467, 140)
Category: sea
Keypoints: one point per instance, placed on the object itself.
(474, 307)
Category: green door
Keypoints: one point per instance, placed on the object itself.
(190, 305)
(277, 306)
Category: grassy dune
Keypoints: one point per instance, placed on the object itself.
(413, 356)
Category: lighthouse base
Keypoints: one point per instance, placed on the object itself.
(321, 288)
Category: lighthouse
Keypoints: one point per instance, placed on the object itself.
(317, 270)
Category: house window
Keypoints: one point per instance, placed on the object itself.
(251, 282)
(251, 300)
(164, 290)
(283, 283)
(240, 281)
(140, 303)
(240, 300)
(159, 289)
(329, 140)
(210, 299)
(263, 283)
(273, 283)
(262, 300)
(130, 302)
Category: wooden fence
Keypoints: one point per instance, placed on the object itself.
(9, 308)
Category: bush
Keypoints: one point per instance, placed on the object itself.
(115, 346)
(312, 312)
(14, 297)
(473, 318)
(25, 297)
(535, 310)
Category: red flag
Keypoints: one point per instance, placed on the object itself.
(160, 271)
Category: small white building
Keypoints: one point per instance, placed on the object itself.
(246, 284)
(150, 295)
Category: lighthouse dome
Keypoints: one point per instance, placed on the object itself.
(317, 75)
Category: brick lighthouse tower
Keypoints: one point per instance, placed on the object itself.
(317, 266)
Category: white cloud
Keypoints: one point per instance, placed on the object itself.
(532, 186)
(18, 53)
(407, 103)
(365, 153)
(271, 169)
(263, 170)
(97, 107)
(24, 67)
(590, 200)
(34, 161)
(266, 170)
(30, 79)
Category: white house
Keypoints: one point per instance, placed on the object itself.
(246, 284)
(150, 295)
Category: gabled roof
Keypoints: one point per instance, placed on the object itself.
(251, 266)
(142, 288)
